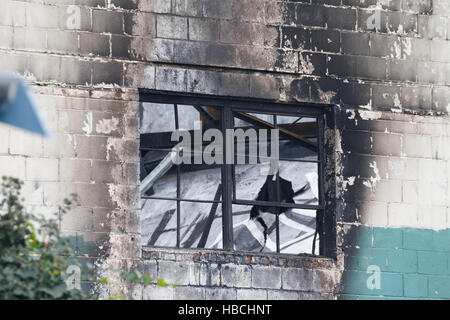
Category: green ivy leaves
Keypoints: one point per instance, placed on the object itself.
(32, 260)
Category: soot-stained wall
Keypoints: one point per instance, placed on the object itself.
(382, 64)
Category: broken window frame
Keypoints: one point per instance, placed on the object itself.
(228, 195)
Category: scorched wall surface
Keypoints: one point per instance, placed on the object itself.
(383, 65)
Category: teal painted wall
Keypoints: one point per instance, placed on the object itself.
(413, 263)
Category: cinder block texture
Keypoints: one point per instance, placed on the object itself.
(410, 270)
(394, 169)
(355, 43)
(214, 275)
(382, 64)
(347, 43)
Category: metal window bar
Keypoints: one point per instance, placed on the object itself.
(259, 122)
(233, 170)
(321, 155)
(300, 118)
(247, 105)
(177, 126)
(242, 202)
(277, 204)
(227, 185)
(193, 152)
(320, 216)
(277, 216)
(179, 199)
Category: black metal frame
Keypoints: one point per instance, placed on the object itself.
(227, 107)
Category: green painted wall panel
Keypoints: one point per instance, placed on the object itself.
(441, 240)
(439, 287)
(412, 263)
(355, 282)
(432, 262)
(387, 238)
(389, 260)
(418, 239)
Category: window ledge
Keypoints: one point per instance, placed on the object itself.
(238, 257)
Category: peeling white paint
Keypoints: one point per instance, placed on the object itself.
(107, 126)
(397, 50)
(367, 106)
(407, 47)
(372, 181)
(338, 142)
(88, 127)
(116, 194)
(306, 66)
(351, 114)
(118, 149)
(326, 95)
(381, 3)
(370, 115)
(397, 104)
(350, 181)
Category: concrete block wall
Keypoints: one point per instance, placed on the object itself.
(73, 55)
(86, 59)
(315, 51)
(382, 63)
(215, 275)
(394, 210)
(413, 263)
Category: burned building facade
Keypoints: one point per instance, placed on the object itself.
(358, 90)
